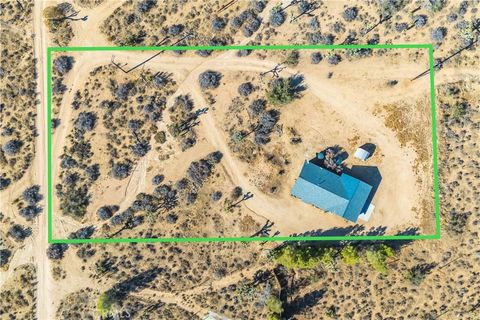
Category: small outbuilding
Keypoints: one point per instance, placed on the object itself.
(362, 154)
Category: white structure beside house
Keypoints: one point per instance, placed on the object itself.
(361, 154)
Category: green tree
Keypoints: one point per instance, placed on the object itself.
(296, 257)
(274, 305)
(105, 303)
(274, 316)
(378, 258)
(418, 273)
(327, 257)
(292, 58)
(282, 91)
(350, 255)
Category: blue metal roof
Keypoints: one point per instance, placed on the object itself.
(342, 194)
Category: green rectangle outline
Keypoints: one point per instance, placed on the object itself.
(245, 239)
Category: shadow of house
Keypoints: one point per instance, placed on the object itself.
(368, 174)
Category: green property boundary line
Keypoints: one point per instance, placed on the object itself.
(436, 235)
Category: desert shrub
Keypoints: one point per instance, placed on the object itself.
(74, 201)
(4, 183)
(11, 147)
(82, 149)
(218, 24)
(58, 86)
(334, 59)
(452, 17)
(327, 39)
(245, 89)
(30, 212)
(32, 195)
(460, 110)
(281, 91)
(209, 79)
(121, 170)
(420, 21)
(292, 58)
(82, 233)
(258, 6)
(122, 92)
(236, 193)
(67, 162)
(71, 178)
(56, 251)
(5, 254)
(350, 14)
(251, 25)
(438, 34)
(216, 196)
(191, 198)
(86, 121)
(55, 123)
(214, 157)
(63, 64)
(141, 148)
(457, 221)
(314, 23)
(106, 212)
(171, 218)
(199, 171)
(274, 305)
(243, 52)
(134, 124)
(176, 29)
(377, 257)
(145, 5)
(277, 17)
(314, 37)
(236, 22)
(159, 80)
(19, 232)
(93, 172)
(157, 179)
(183, 102)
(435, 5)
(316, 57)
(389, 7)
(257, 107)
(160, 137)
(122, 217)
(266, 122)
(417, 274)
(350, 255)
(400, 27)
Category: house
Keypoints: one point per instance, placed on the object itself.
(342, 194)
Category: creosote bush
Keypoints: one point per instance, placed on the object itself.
(209, 79)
